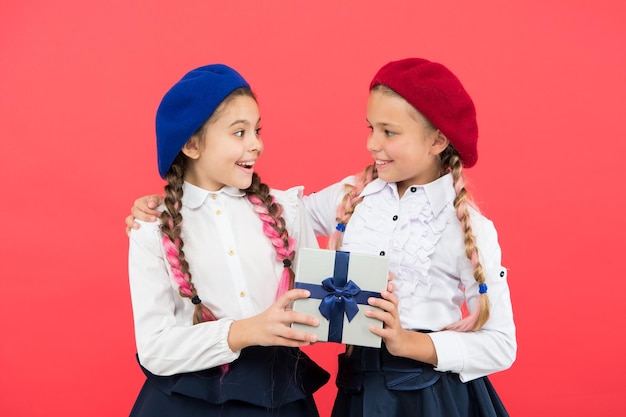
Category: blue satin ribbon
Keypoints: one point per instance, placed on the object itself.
(339, 296)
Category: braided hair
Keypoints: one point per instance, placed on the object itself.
(270, 212)
(451, 162)
(171, 222)
(350, 200)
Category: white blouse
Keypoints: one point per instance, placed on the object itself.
(233, 266)
(423, 239)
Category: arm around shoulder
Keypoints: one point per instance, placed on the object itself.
(321, 206)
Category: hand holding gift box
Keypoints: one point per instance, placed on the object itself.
(340, 284)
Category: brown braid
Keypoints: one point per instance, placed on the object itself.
(171, 228)
(345, 210)
(274, 227)
(451, 162)
(348, 204)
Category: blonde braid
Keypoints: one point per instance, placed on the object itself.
(348, 204)
(274, 228)
(171, 229)
(346, 208)
(477, 318)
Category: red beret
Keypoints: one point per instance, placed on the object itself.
(438, 94)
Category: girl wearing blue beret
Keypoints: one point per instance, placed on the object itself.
(449, 323)
(210, 281)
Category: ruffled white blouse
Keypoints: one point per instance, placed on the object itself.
(233, 266)
(424, 242)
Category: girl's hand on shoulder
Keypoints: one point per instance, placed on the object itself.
(392, 332)
(143, 209)
(272, 327)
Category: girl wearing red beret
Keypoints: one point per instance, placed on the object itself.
(411, 205)
(209, 282)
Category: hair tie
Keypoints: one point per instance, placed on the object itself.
(341, 227)
(196, 300)
(482, 288)
(286, 263)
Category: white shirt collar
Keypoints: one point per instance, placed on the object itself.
(194, 197)
(439, 192)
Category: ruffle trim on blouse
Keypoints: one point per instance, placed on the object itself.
(412, 238)
(416, 240)
(289, 200)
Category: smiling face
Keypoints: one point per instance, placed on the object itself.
(404, 145)
(225, 150)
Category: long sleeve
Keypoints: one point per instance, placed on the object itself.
(321, 206)
(494, 347)
(299, 225)
(167, 343)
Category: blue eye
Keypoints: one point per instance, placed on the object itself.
(389, 133)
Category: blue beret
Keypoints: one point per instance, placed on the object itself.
(188, 104)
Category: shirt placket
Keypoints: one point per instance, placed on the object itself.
(225, 230)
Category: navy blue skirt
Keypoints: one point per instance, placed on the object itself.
(264, 381)
(374, 383)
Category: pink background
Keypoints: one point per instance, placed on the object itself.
(79, 86)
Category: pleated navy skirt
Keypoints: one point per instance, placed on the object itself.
(374, 383)
(264, 381)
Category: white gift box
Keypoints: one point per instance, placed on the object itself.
(340, 283)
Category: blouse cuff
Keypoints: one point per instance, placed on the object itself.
(449, 351)
(229, 355)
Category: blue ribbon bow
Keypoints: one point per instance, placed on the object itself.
(344, 295)
(339, 296)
